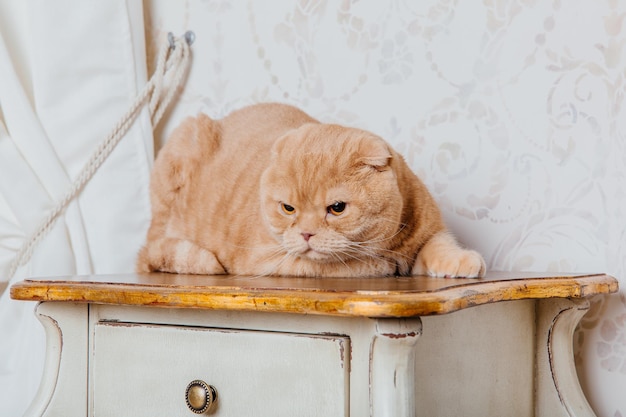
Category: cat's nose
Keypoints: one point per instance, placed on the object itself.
(307, 236)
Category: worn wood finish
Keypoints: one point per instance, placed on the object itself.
(142, 370)
(392, 367)
(366, 297)
(558, 392)
(63, 388)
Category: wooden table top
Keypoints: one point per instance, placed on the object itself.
(364, 297)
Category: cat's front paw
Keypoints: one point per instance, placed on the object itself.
(177, 256)
(441, 256)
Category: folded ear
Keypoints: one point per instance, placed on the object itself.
(375, 152)
(280, 143)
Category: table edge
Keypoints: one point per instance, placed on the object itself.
(306, 301)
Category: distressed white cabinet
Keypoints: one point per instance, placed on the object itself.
(164, 345)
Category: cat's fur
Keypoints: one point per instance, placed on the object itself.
(223, 193)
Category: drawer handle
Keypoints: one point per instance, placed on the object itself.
(200, 396)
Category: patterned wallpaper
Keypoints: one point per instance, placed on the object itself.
(511, 111)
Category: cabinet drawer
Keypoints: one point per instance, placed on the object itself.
(143, 370)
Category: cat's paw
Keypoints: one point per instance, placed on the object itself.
(441, 256)
(177, 256)
(458, 263)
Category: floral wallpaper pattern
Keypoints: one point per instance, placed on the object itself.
(511, 111)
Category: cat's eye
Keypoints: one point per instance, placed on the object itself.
(287, 209)
(337, 208)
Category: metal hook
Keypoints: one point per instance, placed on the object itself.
(189, 36)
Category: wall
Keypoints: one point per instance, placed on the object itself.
(512, 112)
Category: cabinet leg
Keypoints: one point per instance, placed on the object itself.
(392, 367)
(558, 389)
(63, 388)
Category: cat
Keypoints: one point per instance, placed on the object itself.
(268, 190)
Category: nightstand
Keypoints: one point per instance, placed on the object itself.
(184, 345)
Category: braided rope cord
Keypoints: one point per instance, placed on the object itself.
(172, 64)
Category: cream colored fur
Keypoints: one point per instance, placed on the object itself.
(223, 193)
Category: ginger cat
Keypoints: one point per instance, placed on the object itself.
(270, 191)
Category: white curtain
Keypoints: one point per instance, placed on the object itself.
(68, 71)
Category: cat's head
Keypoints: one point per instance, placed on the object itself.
(330, 194)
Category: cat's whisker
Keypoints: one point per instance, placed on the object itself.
(380, 252)
(276, 251)
(270, 252)
(355, 258)
(358, 256)
(384, 238)
(339, 259)
(357, 251)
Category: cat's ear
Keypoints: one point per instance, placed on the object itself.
(280, 143)
(375, 153)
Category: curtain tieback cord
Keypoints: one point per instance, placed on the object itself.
(172, 64)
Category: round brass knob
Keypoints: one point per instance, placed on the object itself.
(200, 396)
